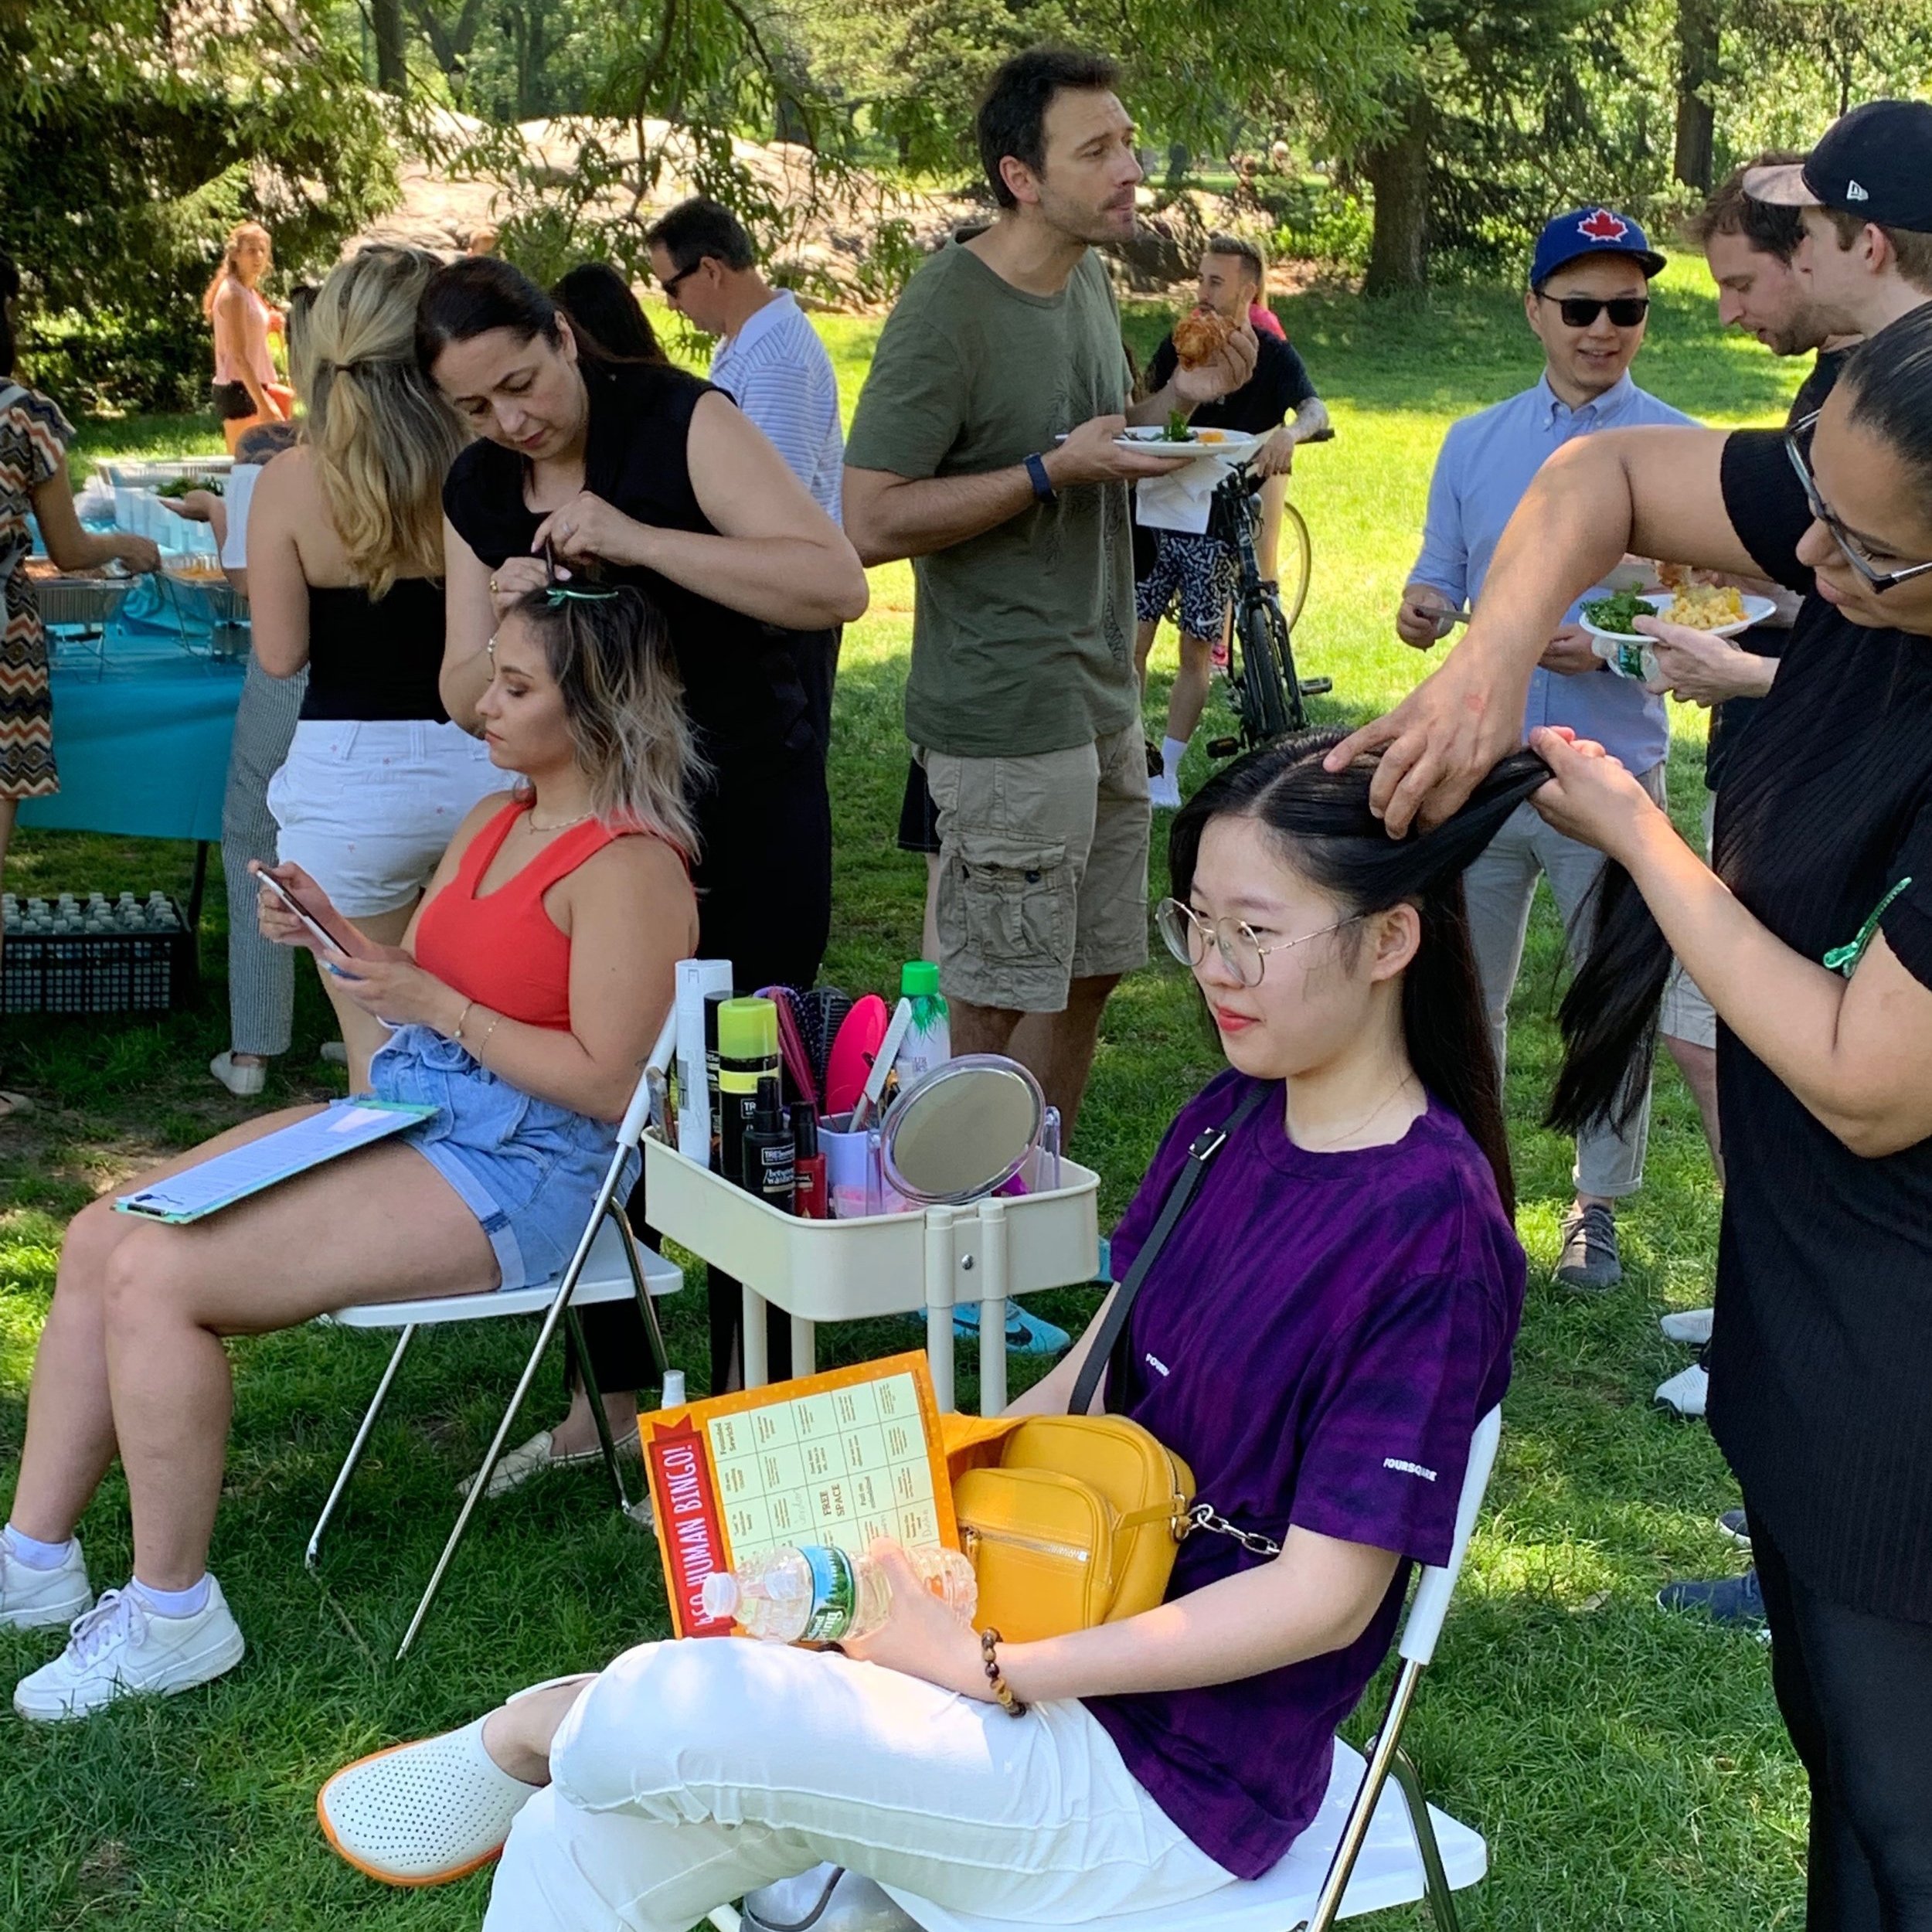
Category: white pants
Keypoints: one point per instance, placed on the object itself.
(368, 808)
(691, 1773)
(1499, 888)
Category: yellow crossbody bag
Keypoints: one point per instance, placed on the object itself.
(1071, 1521)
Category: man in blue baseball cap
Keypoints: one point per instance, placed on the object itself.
(1586, 304)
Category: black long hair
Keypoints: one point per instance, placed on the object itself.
(1608, 1017)
(475, 293)
(599, 303)
(1331, 838)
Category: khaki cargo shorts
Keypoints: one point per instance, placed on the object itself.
(1043, 870)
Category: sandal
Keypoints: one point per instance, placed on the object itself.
(423, 1814)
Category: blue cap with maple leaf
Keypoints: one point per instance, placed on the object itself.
(1591, 231)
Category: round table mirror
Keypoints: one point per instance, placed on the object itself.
(963, 1131)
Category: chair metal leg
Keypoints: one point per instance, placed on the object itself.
(595, 1396)
(646, 1309)
(1442, 1902)
(1355, 1831)
(312, 1555)
(559, 1302)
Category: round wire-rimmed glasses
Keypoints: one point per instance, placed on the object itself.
(1188, 936)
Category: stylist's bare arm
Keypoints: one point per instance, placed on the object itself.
(1651, 490)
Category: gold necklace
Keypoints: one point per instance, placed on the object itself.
(531, 824)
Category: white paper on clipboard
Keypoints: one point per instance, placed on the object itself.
(219, 1182)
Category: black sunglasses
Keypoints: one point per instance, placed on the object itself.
(670, 288)
(1580, 312)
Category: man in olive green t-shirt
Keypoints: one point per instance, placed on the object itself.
(984, 448)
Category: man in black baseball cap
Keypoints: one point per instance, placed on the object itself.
(1866, 193)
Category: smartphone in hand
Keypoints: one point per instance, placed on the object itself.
(295, 905)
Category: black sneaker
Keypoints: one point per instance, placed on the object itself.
(1589, 1262)
(1737, 1526)
(1736, 1602)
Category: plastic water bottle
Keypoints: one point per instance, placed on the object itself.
(928, 1042)
(817, 1593)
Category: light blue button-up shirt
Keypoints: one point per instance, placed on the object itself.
(776, 369)
(1486, 464)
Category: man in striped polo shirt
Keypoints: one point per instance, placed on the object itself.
(769, 358)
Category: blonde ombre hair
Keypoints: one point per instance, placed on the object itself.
(379, 432)
(241, 231)
(610, 654)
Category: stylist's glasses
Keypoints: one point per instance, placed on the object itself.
(1862, 553)
(1188, 936)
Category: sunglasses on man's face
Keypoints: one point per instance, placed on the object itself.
(1581, 311)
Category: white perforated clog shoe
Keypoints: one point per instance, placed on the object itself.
(423, 1814)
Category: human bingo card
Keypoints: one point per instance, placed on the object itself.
(838, 1459)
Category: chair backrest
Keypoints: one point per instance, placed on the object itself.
(1430, 1603)
(631, 1130)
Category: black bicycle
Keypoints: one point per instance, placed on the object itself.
(1266, 693)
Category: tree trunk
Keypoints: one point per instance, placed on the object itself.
(1397, 171)
(1697, 62)
(391, 70)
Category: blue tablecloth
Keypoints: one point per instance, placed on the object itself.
(142, 723)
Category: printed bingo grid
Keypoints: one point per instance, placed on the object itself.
(841, 1467)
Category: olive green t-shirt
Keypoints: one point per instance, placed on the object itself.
(1022, 636)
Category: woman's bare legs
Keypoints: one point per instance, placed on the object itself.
(363, 1034)
(147, 1310)
(70, 1428)
(517, 1737)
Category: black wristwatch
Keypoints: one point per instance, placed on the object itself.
(1043, 483)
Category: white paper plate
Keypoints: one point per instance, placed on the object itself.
(1756, 611)
(1234, 445)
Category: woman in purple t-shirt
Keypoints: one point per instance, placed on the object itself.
(1331, 1318)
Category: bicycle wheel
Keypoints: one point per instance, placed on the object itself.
(1295, 559)
(1268, 709)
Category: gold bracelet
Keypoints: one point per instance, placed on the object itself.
(457, 1032)
(476, 1052)
(1002, 1691)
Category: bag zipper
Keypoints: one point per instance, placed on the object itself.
(970, 1535)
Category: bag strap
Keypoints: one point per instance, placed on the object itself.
(1208, 1143)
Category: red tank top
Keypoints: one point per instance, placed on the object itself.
(503, 950)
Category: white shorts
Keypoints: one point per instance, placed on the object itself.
(368, 808)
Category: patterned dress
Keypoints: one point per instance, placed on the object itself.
(34, 436)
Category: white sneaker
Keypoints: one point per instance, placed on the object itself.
(1686, 1392)
(1692, 1327)
(33, 1599)
(1164, 793)
(423, 1814)
(120, 1648)
(243, 1082)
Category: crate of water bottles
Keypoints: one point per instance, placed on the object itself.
(92, 954)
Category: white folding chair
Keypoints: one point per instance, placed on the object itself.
(1365, 1851)
(610, 1264)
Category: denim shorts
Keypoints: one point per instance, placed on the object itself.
(528, 1170)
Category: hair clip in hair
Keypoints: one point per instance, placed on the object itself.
(1845, 959)
(559, 594)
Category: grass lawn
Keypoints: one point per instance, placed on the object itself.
(1628, 1770)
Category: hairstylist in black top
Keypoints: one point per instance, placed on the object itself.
(1813, 940)
(638, 473)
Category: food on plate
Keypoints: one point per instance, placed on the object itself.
(180, 486)
(1199, 336)
(1706, 607)
(1176, 430)
(1619, 612)
(197, 569)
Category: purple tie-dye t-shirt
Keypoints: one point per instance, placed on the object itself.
(1318, 1341)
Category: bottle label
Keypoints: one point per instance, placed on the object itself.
(778, 1178)
(835, 1594)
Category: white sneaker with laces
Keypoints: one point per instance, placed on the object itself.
(120, 1648)
(33, 1599)
(1686, 1392)
(1690, 1326)
(423, 1814)
(1164, 793)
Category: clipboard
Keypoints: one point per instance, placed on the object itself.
(838, 1457)
(210, 1185)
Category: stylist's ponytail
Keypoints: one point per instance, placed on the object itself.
(1336, 842)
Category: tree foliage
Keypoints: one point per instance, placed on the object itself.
(137, 134)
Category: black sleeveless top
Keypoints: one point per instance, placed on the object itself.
(375, 657)
(753, 689)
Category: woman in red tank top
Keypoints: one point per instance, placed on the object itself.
(530, 988)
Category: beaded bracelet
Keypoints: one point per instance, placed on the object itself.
(989, 1656)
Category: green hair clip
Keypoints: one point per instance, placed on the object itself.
(559, 594)
(1845, 959)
